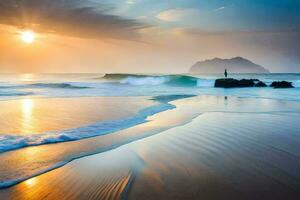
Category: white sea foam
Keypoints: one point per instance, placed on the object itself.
(12, 142)
(206, 83)
(296, 83)
(131, 80)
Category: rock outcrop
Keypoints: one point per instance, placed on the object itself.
(234, 83)
(281, 84)
(260, 84)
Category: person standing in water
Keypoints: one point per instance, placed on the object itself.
(225, 73)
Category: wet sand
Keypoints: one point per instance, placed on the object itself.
(206, 148)
(27, 162)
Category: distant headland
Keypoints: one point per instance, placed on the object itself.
(233, 65)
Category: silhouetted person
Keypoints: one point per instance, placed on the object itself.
(225, 73)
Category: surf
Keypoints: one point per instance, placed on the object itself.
(170, 80)
(13, 142)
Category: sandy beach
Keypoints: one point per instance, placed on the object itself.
(149, 100)
(207, 147)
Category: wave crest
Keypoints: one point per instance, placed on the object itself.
(14, 93)
(171, 80)
(174, 80)
(58, 85)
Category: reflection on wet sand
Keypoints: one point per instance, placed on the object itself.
(34, 116)
(225, 153)
(108, 180)
(28, 161)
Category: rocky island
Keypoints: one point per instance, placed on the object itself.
(233, 65)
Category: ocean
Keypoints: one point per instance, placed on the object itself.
(30, 86)
(13, 86)
(41, 109)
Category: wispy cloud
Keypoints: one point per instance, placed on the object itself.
(174, 15)
(220, 8)
(130, 1)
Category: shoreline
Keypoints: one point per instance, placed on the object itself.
(134, 131)
(200, 101)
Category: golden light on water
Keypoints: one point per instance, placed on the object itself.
(27, 106)
(30, 182)
(28, 36)
(26, 77)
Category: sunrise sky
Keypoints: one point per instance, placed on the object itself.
(166, 36)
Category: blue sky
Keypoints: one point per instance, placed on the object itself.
(217, 14)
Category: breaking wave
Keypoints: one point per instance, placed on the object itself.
(170, 80)
(12, 142)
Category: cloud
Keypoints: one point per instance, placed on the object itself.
(130, 1)
(77, 18)
(174, 15)
(220, 8)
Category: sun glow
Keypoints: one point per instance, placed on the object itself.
(28, 36)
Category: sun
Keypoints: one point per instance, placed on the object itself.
(28, 36)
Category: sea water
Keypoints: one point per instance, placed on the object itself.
(163, 88)
(20, 86)
(14, 86)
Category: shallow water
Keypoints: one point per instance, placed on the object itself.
(38, 115)
(30, 157)
(48, 120)
(233, 148)
(32, 121)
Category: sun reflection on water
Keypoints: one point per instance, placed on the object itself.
(27, 106)
(26, 77)
(30, 182)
